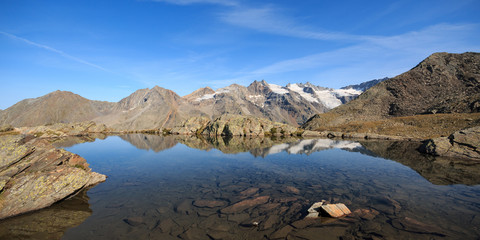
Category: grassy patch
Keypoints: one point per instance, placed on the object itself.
(419, 126)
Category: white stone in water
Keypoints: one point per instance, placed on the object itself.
(315, 207)
(312, 215)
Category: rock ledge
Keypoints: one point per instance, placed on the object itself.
(34, 174)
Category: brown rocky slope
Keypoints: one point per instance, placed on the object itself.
(55, 107)
(442, 83)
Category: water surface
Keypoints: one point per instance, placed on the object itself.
(183, 187)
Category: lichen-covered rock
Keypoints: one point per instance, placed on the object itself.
(34, 174)
(463, 143)
(192, 126)
(234, 125)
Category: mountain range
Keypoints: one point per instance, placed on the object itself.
(442, 83)
(162, 108)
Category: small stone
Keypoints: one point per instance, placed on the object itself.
(184, 207)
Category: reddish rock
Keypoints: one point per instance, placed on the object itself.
(291, 189)
(287, 199)
(249, 191)
(269, 206)
(336, 210)
(367, 214)
(245, 204)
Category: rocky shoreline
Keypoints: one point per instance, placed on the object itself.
(461, 144)
(34, 174)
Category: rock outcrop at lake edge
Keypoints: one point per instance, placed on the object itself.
(463, 143)
(234, 125)
(34, 174)
(64, 129)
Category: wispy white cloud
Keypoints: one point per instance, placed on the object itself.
(442, 37)
(270, 20)
(378, 57)
(188, 2)
(51, 49)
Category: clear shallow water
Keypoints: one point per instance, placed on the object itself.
(182, 187)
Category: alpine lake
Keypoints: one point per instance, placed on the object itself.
(185, 187)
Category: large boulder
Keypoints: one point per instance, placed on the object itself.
(463, 143)
(191, 126)
(34, 174)
(234, 125)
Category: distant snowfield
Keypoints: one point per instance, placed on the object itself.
(328, 97)
(277, 89)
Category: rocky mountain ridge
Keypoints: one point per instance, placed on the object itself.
(442, 83)
(159, 108)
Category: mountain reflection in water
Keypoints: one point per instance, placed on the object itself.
(437, 170)
(171, 187)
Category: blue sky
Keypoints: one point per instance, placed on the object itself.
(105, 50)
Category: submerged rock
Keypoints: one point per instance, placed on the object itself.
(332, 210)
(34, 174)
(336, 210)
(245, 204)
